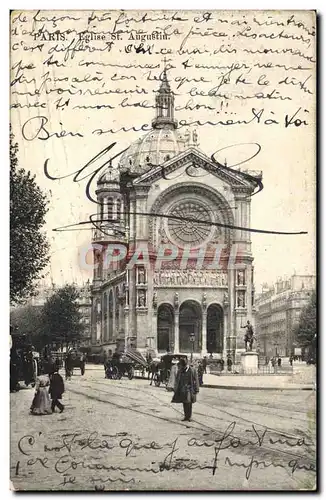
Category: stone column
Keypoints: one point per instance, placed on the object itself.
(122, 214)
(204, 333)
(176, 332)
(154, 329)
(225, 329)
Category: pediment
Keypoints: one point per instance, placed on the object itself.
(194, 158)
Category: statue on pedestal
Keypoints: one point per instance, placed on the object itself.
(249, 336)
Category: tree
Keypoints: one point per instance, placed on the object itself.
(28, 245)
(61, 317)
(306, 331)
(26, 320)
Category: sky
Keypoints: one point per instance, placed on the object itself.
(202, 48)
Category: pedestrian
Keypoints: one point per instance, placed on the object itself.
(68, 366)
(82, 364)
(186, 387)
(57, 363)
(279, 361)
(229, 363)
(41, 404)
(173, 376)
(200, 370)
(205, 364)
(14, 377)
(291, 360)
(57, 388)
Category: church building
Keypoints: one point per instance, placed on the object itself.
(173, 265)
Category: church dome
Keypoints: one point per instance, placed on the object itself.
(161, 143)
(154, 148)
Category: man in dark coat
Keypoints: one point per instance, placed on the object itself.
(57, 388)
(186, 387)
(205, 364)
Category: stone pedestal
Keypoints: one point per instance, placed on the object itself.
(249, 362)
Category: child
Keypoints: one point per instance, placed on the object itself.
(57, 388)
(41, 404)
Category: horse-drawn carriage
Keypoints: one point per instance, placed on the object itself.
(124, 364)
(161, 369)
(74, 359)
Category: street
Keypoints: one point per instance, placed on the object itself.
(122, 434)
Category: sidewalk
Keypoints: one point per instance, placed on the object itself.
(300, 380)
(256, 382)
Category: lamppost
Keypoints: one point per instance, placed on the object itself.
(192, 339)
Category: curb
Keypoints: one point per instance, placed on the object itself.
(246, 388)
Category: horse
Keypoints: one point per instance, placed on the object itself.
(153, 369)
(249, 339)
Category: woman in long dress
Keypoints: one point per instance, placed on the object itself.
(173, 375)
(41, 404)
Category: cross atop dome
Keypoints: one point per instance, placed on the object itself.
(165, 85)
(164, 103)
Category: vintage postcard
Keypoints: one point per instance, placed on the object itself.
(163, 251)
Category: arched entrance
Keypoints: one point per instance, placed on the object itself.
(165, 327)
(215, 328)
(190, 321)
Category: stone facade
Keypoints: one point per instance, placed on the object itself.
(278, 312)
(171, 256)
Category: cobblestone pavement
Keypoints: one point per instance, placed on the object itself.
(119, 435)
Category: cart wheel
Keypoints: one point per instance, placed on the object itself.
(131, 373)
(157, 380)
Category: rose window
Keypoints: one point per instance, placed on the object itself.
(189, 223)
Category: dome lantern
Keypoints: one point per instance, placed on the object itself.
(164, 103)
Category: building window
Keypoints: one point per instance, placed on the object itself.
(110, 208)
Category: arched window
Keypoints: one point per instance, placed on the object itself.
(105, 316)
(118, 209)
(110, 315)
(110, 208)
(117, 309)
(101, 209)
(165, 326)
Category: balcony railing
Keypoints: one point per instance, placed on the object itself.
(107, 232)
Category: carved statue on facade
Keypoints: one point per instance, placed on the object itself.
(142, 298)
(204, 301)
(241, 280)
(226, 297)
(141, 275)
(241, 300)
(154, 300)
(176, 300)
